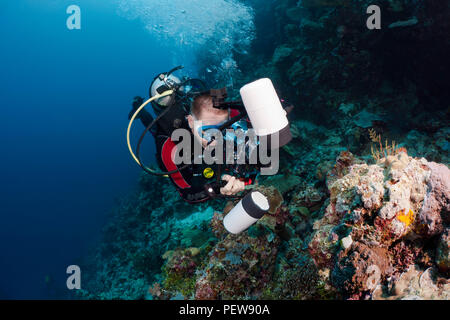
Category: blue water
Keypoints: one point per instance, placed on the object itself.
(65, 97)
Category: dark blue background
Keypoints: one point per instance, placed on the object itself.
(65, 97)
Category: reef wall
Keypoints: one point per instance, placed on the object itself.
(360, 207)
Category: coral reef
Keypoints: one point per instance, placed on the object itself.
(144, 230)
(375, 231)
(415, 285)
(443, 252)
(351, 215)
(379, 222)
(238, 267)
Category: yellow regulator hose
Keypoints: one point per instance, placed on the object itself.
(162, 95)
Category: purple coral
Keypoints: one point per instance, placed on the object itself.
(436, 205)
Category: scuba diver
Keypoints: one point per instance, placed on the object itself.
(182, 104)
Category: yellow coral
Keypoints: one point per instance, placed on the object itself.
(407, 219)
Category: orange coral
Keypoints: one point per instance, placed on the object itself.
(407, 219)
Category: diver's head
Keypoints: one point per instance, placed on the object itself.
(204, 116)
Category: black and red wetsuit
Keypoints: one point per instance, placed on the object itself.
(190, 182)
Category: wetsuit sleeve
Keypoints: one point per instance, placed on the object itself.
(145, 117)
(194, 196)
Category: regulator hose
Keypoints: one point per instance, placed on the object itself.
(158, 96)
(138, 149)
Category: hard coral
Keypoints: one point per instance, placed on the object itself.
(414, 284)
(340, 169)
(307, 196)
(436, 204)
(381, 208)
(238, 266)
(179, 270)
(443, 252)
(361, 269)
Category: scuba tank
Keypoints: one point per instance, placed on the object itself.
(170, 99)
(175, 117)
(175, 106)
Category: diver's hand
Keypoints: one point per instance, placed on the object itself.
(137, 102)
(233, 186)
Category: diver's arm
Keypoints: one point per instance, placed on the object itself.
(145, 117)
(193, 196)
